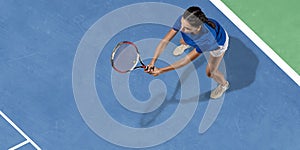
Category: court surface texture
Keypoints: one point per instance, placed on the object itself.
(59, 91)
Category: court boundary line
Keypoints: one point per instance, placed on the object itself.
(257, 41)
(19, 145)
(28, 140)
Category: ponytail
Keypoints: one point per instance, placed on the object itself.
(196, 17)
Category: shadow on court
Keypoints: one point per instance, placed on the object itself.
(241, 65)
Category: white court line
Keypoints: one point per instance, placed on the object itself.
(19, 145)
(258, 41)
(20, 131)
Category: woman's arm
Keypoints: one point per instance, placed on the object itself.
(182, 62)
(162, 45)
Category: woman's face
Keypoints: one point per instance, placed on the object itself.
(187, 28)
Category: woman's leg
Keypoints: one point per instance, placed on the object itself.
(181, 41)
(212, 69)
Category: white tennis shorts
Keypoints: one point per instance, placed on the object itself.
(222, 48)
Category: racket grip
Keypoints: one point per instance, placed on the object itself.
(147, 67)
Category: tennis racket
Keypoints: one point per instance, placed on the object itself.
(125, 57)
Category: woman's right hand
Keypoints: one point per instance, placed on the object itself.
(149, 68)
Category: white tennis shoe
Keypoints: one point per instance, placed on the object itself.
(180, 49)
(219, 91)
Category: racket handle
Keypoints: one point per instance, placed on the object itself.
(147, 67)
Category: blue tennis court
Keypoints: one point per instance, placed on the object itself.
(59, 91)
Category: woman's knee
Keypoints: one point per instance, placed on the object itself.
(209, 73)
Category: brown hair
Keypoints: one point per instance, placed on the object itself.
(196, 17)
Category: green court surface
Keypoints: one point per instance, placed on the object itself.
(276, 22)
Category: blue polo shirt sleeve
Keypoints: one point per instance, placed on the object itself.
(177, 24)
(219, 32)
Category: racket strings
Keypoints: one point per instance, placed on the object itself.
(125, 57)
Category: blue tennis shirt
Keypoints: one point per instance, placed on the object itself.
(208, 39)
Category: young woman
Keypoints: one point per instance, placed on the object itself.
(204, 35)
